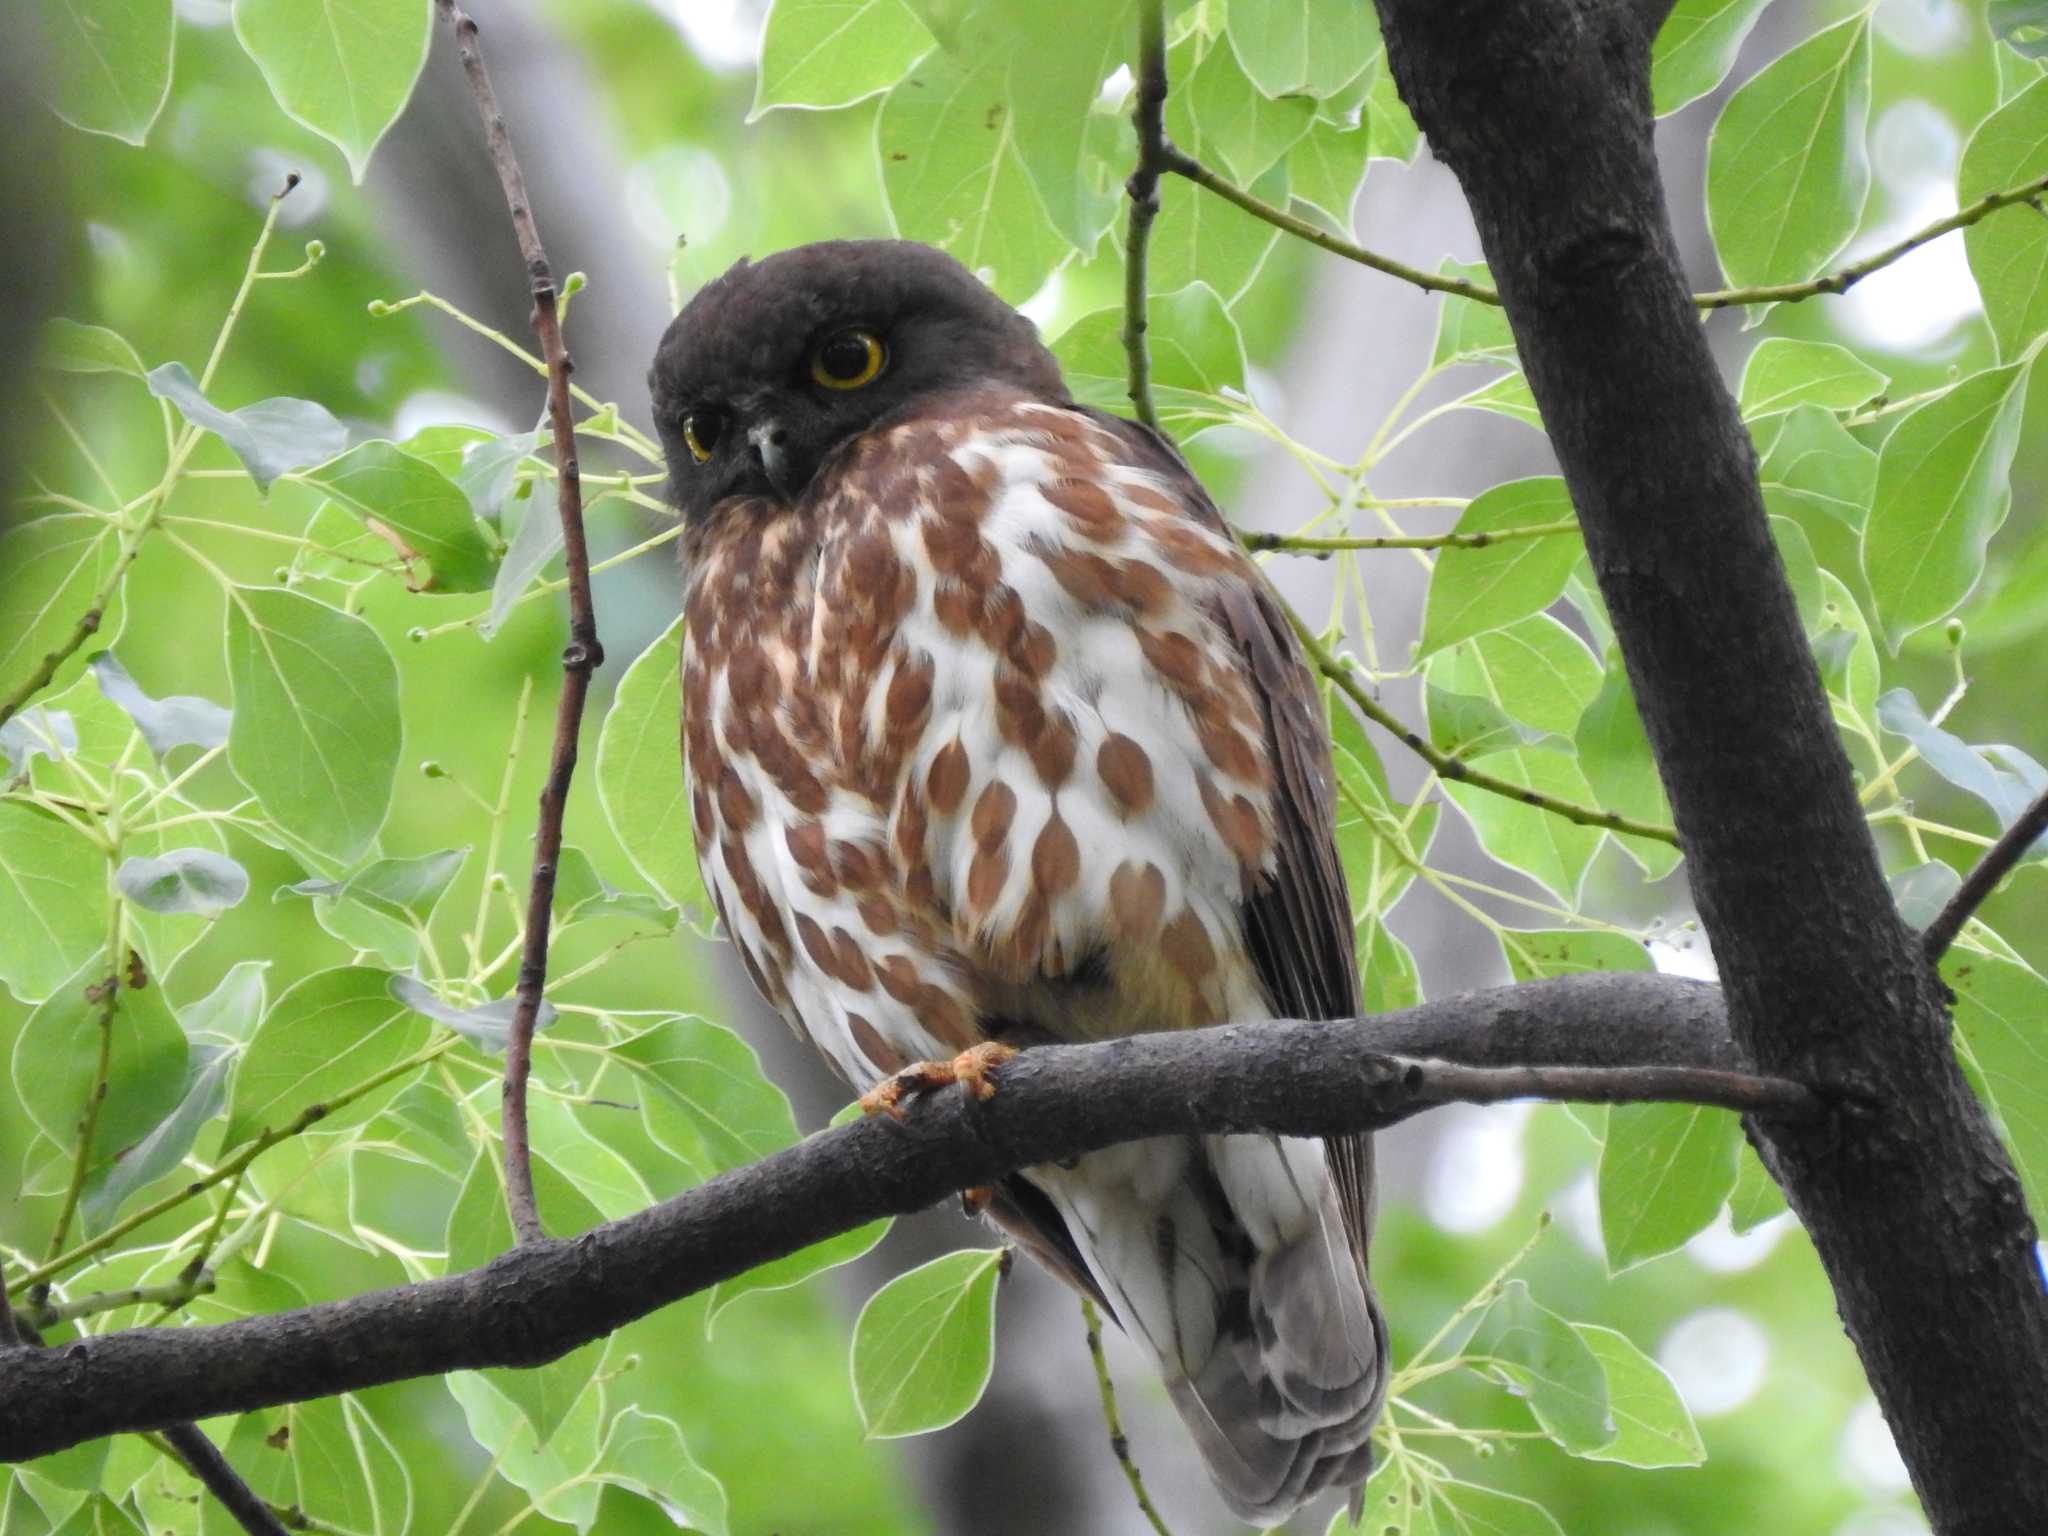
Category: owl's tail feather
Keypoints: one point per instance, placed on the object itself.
(1262, 1322)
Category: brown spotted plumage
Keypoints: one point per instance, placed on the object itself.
(994, 736)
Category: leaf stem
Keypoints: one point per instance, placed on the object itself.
(1119, 1442)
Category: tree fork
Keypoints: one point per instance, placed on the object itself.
(1541, 108)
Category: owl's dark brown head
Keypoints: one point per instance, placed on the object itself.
(779, 362)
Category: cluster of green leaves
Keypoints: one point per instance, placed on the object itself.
(247, 1145)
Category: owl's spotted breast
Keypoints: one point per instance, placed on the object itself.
(961, 727)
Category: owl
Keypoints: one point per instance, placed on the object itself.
(995, 737)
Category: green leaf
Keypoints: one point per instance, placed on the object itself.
(1543, 845)
(1474, 590)
(639, 774)
(1534, 669)
(270, 437)
(1394, 134)
(203, 1095)
(1756, 1197)
(1466, 1509)
(55, 568)
(1615, 754)
(795, 1268)
(1468, 331)
(2002, 1030)
(703, 1095)
(327, 1034)
(1696, 47)
(2008, 251)
(1847, 656)
(832, 53)
(229, 1014)
(2003, 777)
(1783, 373)
(1568, 951)
(1196, 353)
(924, 1344)
(953, 177)
(344, 71)
(1942, 490)
(1296, 47)
(1543, 1361)
(1325, 168)
(478, 1231)
(166, 724)
(195, 880)
(581, 892)
(107, 64)
(56, 1059)
(1653, 1427)
(316, 733)
(1816, 466)
(486, 1025)
(1198, 237)
(53, 901)
(1249, 130)
(1076, 151)
(1664, 1171)
(71, 347)
(381, 483)
(646, 1454)
(1787, 172)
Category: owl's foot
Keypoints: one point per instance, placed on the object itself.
(970, 1069)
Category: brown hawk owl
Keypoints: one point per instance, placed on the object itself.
(994, 734)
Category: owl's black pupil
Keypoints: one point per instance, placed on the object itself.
(845, 357)
(705, 427)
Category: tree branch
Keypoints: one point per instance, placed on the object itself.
(1119, 1442)
(1456, 769)
(1614, 1036)
(580, 658)
(202, 1458)
(1149, 118)
(1841, 280)
(2012, 846)
(1541, 109)
(1303, 544)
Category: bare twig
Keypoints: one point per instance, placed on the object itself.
(580, 658)
(1300, 544)
(1841, 280)
(202, 1458)
(105, 994)
(1119, 1442)
(1613, 1036)
(1149, 117)
(1456, 769)
(1997, 862)
(169, 1297)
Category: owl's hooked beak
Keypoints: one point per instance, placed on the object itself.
(769, 441)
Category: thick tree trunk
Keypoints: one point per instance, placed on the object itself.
(1541, 108)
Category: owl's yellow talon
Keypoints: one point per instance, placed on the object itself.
(970, 1069)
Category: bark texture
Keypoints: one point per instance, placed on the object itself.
(1541, 108)
(1662, 1037)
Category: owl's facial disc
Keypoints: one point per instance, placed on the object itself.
(777, 365)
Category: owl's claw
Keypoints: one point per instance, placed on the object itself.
(970, 1069)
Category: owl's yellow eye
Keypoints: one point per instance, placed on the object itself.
(848, 360)
(700, 433)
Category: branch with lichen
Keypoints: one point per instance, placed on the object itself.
(1304, 544)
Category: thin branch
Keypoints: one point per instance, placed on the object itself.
(169, 1297)
(1841, 280)
(1119, 1442)
(1149, 118)
(1455, 769)
(2011, 847)
(105, 995)
(1184, 164)
(1615, 1036)
(580, 658)
(1845, 278)
(202, 1458)
(1299, 544)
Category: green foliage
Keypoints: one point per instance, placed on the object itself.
(298, 1097)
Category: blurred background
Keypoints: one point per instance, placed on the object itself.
(632, 120)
